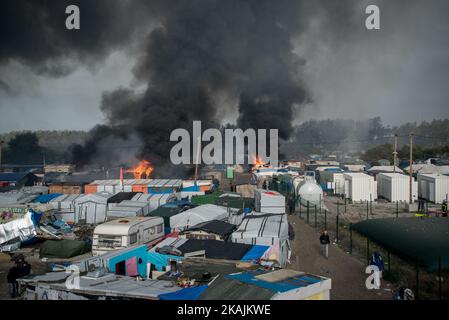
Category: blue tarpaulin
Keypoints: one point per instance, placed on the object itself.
(45, 198)
(255, 253)
(192, 293)
(281, 286)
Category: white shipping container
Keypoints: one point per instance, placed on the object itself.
(433, 187)
(268, 201)
(339, 183)
(396, 187)
(360, 187)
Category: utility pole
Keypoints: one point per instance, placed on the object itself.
(411, 168)
(198, 149)
(395, 152)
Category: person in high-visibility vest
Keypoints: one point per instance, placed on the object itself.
(444, 208)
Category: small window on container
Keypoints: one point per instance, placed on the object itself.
(133, 238)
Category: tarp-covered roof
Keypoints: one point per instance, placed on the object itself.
(13, 176)
(215, 249)
(218, 227)
(422, 240)
(121, 196)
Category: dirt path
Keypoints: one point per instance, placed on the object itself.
(346, 272)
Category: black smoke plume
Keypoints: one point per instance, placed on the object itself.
(194, 52)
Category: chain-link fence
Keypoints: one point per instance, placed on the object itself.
(337, 215)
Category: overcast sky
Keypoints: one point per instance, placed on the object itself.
(400, 73)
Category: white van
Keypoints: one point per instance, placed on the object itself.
(126, 232)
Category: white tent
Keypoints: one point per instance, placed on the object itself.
(191, 217)
(144, 206)
(92, 207)
(154, 200)
(121, 211)
(65, 206)
(265, 229)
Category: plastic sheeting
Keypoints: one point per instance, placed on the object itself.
(197, 215)
(45, 198)
(22, 229)
(192, 293)
(255, 253)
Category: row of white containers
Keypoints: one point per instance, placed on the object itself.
(394, 187)
(94, 208)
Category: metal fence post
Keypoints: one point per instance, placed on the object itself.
(345, 204)
(397, 208)
(440, 293)
(300, 206)
(350, 238)
(389, 262)
(336, 236)
(371, 204)
(307, 211)
(325, 219)
(367, 210)
(367, 250)
(315, 218)
(417, 281)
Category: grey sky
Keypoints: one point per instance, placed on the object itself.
(400, 73)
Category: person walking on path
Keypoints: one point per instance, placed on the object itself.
(324, 240)
(20, 269)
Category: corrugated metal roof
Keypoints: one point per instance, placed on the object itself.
(13, 176)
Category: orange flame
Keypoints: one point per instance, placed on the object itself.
(258, 161)
(142, 168)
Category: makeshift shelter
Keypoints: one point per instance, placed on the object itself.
(63, 249)
(121, 211)
(144, 206)
(212, 230)
(166, 213)
(245, 184)
(197, 215)
(45, 198)
(20, 230)
(206, 198)
(266, 229)
(65, 206)
(119, 197)
(154, 200)
(215, 249)
(91, 208)
(17, 179)
(67, 187)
